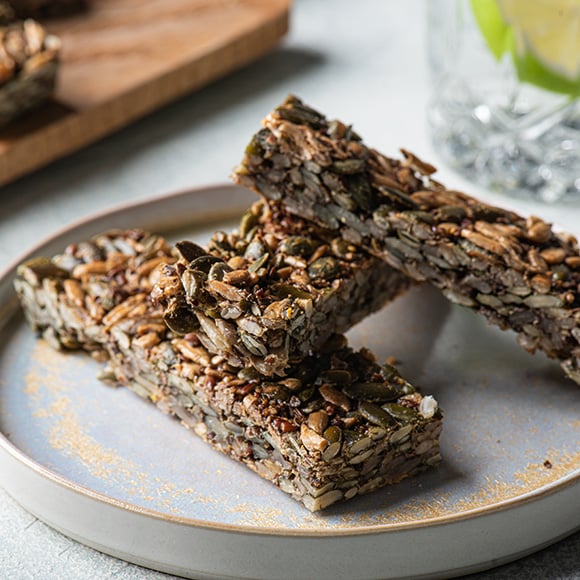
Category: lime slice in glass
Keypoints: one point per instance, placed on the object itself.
(542, 36)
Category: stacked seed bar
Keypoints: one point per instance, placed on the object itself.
(517, 272)
(273, 292)
(336, 426)
(28, 67)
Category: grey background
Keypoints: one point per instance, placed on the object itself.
(362, 61)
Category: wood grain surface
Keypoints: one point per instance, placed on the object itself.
(122, 59)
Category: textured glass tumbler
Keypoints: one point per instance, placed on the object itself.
(511, 136)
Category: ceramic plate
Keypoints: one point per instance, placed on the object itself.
(106, 468)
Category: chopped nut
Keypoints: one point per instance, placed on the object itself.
(311, 439)
(318, 421)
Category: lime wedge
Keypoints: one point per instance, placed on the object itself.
(492, 25)
(542, 36)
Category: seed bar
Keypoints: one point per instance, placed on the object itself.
(28, 68)
(519, 273)
(273, 292)
(339, 425)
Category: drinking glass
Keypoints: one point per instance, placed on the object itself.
(508, 120)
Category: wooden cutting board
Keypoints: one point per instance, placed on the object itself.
(122, 59)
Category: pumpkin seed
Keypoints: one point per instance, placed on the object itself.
(326, 267)
(254, 250)
(331, 451)
(217, 271)
(349, 166)
(333, 434)
(370, 391)
(300, 114)
(247, 223)
(361, 192)
(181, 320)
(259, 263)
(253, 344)
(375, 414)
(336, 377)
(298, 246)
(204, 263)
(189, 251)
(400, 411)
(194, 284)
(284, 290)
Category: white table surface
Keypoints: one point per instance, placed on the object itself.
(363, 62)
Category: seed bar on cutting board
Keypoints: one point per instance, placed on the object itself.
(29, 59)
